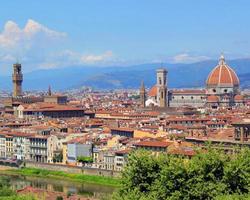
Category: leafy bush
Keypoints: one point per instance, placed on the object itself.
(207, 175)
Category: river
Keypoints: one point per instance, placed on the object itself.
(84, 189)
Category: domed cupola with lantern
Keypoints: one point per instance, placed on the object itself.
(223, 82)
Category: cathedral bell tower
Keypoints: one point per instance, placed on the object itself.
(142, 95)
(162, 97)
(17, 79)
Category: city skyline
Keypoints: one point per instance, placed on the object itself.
(62, 34)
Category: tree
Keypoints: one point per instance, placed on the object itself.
(237, 172)
(143, 169)
(84, 159)
(207, 175)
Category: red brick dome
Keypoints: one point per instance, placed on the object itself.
(238, 97)
(212, 99)
(222, 76)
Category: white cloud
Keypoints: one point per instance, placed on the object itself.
(37, 46)
(14, 37)
(187, 58)
(97, 58)
(69, 58)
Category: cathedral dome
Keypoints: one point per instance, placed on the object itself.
(222, 76)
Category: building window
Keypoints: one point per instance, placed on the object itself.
(225, 90)
(214, 90)
(192, 97)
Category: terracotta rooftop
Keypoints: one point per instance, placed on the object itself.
(49, 107)
(153, 144)
(153, 91)
(212, 99)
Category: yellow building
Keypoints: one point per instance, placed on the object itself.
(113, 142)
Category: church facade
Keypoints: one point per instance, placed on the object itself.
(222, 90)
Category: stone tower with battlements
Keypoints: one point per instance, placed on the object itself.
(17, 79)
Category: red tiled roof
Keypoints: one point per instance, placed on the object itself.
(125, 151)
(212, 99)
(153, 144)
(239, 97)
(123, 129)
(49, 107)
(153, 91)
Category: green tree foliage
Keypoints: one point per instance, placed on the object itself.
(84, 159)
(208, 175)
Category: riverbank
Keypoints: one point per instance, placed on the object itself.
(82, 178)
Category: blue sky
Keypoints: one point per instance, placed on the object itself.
(61, 33)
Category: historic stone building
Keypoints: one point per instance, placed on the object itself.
(222, 90)
(17, 79)
(17, 93)
(223, 86)
(162, 97)
(16, 103)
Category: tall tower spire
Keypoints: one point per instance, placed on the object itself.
(17, 79)
(49, 91)
(142, 95)
(162, 97)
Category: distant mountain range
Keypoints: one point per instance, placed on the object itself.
(179, 76)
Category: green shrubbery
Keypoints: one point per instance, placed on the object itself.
(210, 175)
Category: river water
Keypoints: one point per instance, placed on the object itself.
(84, 189)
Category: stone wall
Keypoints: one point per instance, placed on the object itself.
(72, 169)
